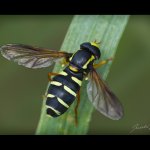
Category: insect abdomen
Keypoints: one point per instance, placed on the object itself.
(62, 92)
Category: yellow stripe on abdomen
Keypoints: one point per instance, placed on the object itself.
(63, 73)
(56, 83)
(50, 95)
(62, 102)
(69, 90)
(76, 80)
(59, 100)
(56, 111)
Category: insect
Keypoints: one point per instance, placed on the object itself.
(65, 86)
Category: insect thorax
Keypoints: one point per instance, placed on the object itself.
(82, 61)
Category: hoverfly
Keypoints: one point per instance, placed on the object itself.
(65, 86)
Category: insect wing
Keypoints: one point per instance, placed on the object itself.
(103, 99)
(32, 57)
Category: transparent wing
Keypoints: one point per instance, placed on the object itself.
(32, 57)
(103, 99)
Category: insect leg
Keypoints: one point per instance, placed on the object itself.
(52, 74)
(76, 108)
(101, 63)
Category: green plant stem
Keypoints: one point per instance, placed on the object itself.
(107, 29)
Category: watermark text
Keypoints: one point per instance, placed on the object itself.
(140, 127)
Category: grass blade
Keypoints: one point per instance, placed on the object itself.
(108, 29)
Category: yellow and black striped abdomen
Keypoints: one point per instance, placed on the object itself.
(62, 92)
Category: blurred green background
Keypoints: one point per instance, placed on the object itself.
(21, 89)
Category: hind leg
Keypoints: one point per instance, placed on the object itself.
(103, 62)
(52, 74)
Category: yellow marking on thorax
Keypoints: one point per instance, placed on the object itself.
(76, 80)
(62, 102)
(56, 111)
(56, 83)
(85, 65)
(50, 95)
(69, 90)
(95, 44)
(63, 73)
(73, 68)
